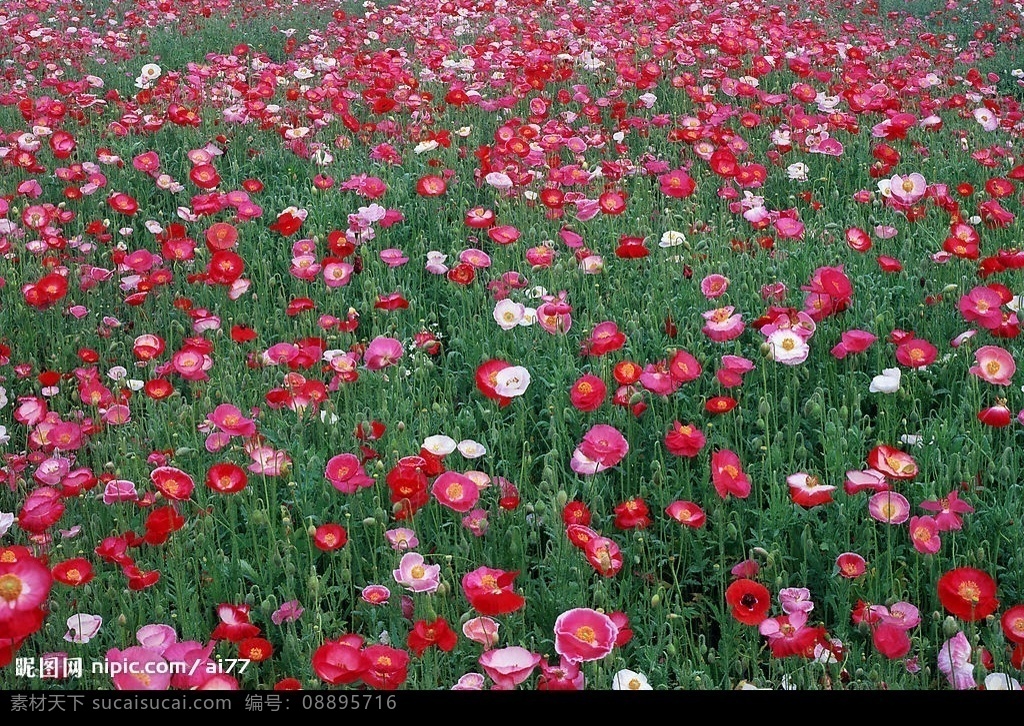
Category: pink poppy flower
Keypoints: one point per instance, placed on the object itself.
(924, 533)
(851, 565)
(393, 257)
(584, 634)
(482, 630)
(289, 612)
(722, 324)
(470, 682)
(138, 669)
(994, 365)
(948, 508)
(382, 352)
(510, 666)
(375, 594)
(230, 420)
(401, 538)
(455, 491)
(346, 474)
(119, 490)
(602, 447)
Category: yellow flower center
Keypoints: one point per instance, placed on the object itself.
(969, 591)
(10, 587)
(586, 634)
(454, 491)
(418, 571)
(634, 684)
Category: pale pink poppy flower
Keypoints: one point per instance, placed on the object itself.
(994, 365)
(908, 189)
(470, 682)
(382, 352)
(795, 599)
(785, 346)
(889, 507)
(902, 614)
(157, 637)
(401, 538)
(508, 667)
(119, 490)
(954, 662)
(415, 575)
(482, 630)
(117, 415)
(83, 627)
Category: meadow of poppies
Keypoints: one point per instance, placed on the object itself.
(511, 344)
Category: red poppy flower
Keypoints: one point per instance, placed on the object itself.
(391, 301)
(255, 649)
(74, 572)
(968, 593)
(1013, 624)
(632, 514)
(436, 632)
(340, 661)
(748, 600)
(486, 380)
(330, 537)
(226, 478)
(576, 513)
(998, 416)
(490, 592)
(431, 186)
(720, 404)
(627, 372)
(161, 523)
(242, 333)
(588, 392)
(891, 640)
(386, 667)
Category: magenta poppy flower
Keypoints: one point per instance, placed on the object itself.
(382, 352)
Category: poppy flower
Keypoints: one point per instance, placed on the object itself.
(1012, 623)
(685, 440)
(687, 513)
(256, 649)
(226, 478)
(74, 572)
(968, 593)
(632, 514)
(588, 392)
(340, 661)
(427, 633)
(603, 555)
(490, 592)
(749, 601)
(330, 537)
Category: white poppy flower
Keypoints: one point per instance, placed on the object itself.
(887, 382)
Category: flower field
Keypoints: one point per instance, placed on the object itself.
(511, 345)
